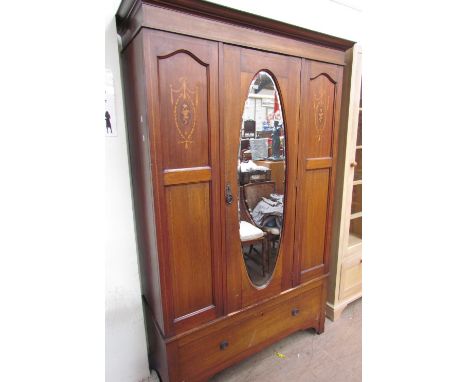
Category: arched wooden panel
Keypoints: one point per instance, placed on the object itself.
(184, 125)
(183, 94)
(320, 107)
(319, 135)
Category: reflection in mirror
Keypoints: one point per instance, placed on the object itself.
(261, 177)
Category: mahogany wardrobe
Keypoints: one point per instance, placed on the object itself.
(195, 74)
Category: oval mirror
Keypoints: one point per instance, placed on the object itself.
(261, 178)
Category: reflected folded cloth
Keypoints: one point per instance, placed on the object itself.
(269, 212)
(270, 202)
(277, 197)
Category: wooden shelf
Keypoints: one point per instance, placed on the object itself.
(354, 240)
(356, 215)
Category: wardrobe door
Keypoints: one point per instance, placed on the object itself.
(183, 118)
(239, 75)
(318, 141)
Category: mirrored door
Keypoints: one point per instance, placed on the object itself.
(261, 110)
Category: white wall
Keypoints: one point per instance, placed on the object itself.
(326, 16)
(126, 359)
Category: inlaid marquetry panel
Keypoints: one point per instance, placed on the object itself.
(319, 134)
(183, 81)
(320, 109)
(183, 121)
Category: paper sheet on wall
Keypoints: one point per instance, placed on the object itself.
(109, 116)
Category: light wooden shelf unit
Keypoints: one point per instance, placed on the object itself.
(346, 263)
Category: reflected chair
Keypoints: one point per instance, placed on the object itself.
(250, 195)
(251, 235)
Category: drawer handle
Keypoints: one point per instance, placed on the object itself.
(223, 345)
(295, 311)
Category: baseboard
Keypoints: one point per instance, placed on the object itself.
(333, 312)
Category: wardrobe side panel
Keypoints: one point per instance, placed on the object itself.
(140, 164)
(343, 182)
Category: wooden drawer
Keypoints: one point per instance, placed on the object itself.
(214, 350)
(351, 276)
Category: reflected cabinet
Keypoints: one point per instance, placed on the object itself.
(232, 124)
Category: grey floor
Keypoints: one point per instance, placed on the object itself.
(333, 356)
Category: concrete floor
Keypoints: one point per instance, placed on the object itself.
(334, 356)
